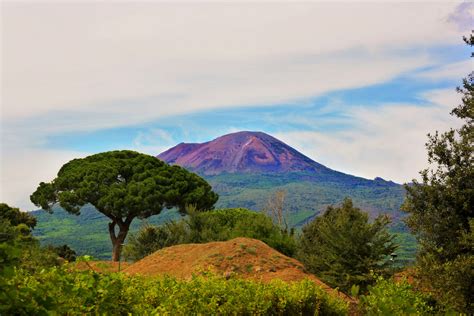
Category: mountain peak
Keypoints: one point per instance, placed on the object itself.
(245, 151)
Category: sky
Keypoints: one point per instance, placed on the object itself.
(356, 86)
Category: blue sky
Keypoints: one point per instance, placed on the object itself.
(355, 86)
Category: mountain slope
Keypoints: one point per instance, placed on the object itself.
(240, 152)
(245, 168)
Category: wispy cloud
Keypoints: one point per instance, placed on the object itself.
(448, 72)
(388, 142)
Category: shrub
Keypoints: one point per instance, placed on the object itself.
(58, 291)
(389, 298)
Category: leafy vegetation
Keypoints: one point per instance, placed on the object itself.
(343, 248)
(64, 252)
(201, 227)
(387, 297)
(441, 208)
(123, 185)
(57, 290)
(13, 216)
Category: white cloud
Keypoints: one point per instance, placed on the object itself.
(153, 141)
(385, 142)
(22, 169)
(93, 57)
(450, 71)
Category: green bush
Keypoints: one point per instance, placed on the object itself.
(202, 227)
(387, 297)
(58, 291)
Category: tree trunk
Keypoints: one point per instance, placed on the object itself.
(118, 240)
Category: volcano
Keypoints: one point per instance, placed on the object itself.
(246, 168)
(241, 152)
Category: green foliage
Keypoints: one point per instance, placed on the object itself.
(227, 224)
(343, 248)
(441, 207)
(64, 252)
(389, 298)
(10, 252)
(151, 238)
(58, 291)
(16, 217)
(123, 185)
(16, 241)
(451, 282)
(202, 227)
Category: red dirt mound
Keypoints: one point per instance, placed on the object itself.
(243, 257)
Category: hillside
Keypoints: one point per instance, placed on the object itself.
(245, 168)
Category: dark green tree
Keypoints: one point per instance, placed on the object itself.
(441, 207)
(123, 185)
(343, 248)
(64, 251)
(16, 217)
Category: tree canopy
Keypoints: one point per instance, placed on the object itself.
(342, 247)
(15, 217)
(124, 185)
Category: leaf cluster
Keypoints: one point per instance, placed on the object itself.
(15, 217)
(387, 297)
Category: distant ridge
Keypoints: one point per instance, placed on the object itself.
(241, 152)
